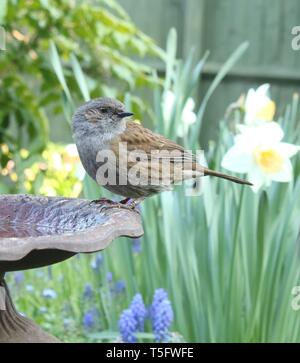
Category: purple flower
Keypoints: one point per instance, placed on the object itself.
(119, 286)
(162, 321)
(19, 277)
(97, 262)
(136, 245)
(159, 296)
(139, 311)
(128, 326)
(88, 291)
(49, 294)
(109, 276)
(161, 315)
(89, 319)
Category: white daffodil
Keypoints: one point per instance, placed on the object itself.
(259, 152)
(188, 116)
(168, 104)
(258, 105)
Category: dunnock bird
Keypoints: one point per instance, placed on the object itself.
(101, 126)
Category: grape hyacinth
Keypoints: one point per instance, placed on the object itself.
(136, 245)
(109, 276)
(161, 315)
(49, 294)
(160, 312)
(139, 311)
(19, 277)
(97, 262)
(88, 291)
(89, 319)
(119, 287)
(128, 326)
(159, 296)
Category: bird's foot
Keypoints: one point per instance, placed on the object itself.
(131, 206)
(128, 203)
(133, 203)
(102, 201)
(125, 201)
(108, 204)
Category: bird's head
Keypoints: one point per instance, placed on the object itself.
(101, 115)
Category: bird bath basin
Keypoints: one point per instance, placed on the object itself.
(39, 231)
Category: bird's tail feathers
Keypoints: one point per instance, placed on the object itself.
(225, 176)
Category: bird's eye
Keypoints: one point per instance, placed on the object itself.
(104, 110)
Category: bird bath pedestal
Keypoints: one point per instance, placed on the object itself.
(40, 231)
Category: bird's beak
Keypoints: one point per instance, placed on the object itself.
(124, 114)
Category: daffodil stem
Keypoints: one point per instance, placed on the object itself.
(235, 246)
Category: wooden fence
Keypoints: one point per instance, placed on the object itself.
(220, 26)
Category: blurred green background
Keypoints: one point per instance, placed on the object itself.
(218, 267)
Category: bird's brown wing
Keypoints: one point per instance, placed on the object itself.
(138, 137)
(149, 146)
(183, 164)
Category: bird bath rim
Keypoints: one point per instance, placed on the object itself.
(99, 226)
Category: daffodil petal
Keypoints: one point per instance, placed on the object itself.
(257, 178)
(270, 132)
(246, 141)
(250, 100)
(243, 129)
(258, 105)
(260, 133)
(288, 150)
(285, 175)
(190, 104)
(262, 90)
(180, 130)
(168, 104)
(188, 117)
(237, 160)
(267, 111)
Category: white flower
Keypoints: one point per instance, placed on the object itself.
(258, 105)
(259, 152)
(188, 116)
(168, 104)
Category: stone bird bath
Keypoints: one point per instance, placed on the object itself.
(39, 231)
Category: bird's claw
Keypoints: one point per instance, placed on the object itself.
(125, 201)
(102, 201)
(130, 205)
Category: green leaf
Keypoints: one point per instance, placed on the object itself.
(56, 64)
(3, 11)
(80, 78)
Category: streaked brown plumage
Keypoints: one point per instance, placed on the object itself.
(101, 124)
